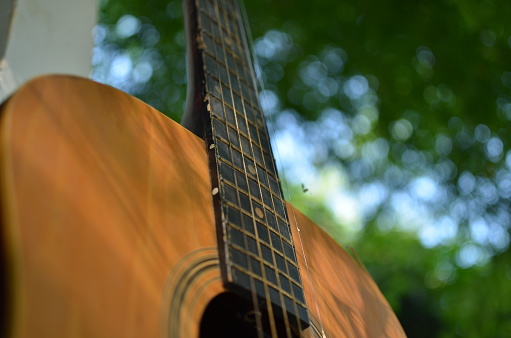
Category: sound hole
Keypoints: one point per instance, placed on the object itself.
(229, 315)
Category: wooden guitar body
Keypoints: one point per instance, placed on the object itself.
(108, 228)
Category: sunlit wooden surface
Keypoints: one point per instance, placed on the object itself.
(108, 230)
(340, 293)
(102, 197)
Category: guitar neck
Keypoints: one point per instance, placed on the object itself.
(256, 249)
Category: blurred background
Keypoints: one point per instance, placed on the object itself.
(391, 122)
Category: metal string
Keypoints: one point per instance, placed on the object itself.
(259, 324)
(247, 35)
(264, 102)
(284, 184)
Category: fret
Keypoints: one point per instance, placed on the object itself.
(233, 74)
(234, 137)
(258, 210)
(259, 193)
(241, 180)
(238, 105)
(258, 154)
(239, 258)
(226, 93)
(233, 214)
(253, 167)
(262, 232)
(276, 242)
(245, 202)
(289, 290)
(271, 276)
(219, 129)
(216, 69)
(237, 159)
(222, 71)
(284, 230)
(254, 188)
(274, 185)
(230, 117)
(223, 150)
(266, 252)
(253, 132)
(274, 296)
(242, 125)
(266, 196)
(263, 176)
(245, 146)
(254, 229)
(230, 194)
(271, 221)
(293, 271)
(249, 165)
(297, 293)
(216, 107)
(253, 249)
(226, 172)
(238, 237)
(229, 57)
(281, 263)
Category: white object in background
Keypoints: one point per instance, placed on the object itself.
(44, 36)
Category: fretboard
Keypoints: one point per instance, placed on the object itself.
(256, 248)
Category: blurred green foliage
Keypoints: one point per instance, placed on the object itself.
(401, 111)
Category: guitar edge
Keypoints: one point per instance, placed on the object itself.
(108, 229)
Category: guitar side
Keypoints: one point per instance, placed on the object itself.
(108, 229)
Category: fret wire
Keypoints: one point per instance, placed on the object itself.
(209, 70)
(268, 172)
(258, 197)
(254, 159)
(231, 89)
(241, 79)
(289, 260)
(233, 71)
(299, 290)
(211, 37)
(234, 91)
(243, 62)
(255, 276)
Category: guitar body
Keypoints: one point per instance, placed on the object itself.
(108, 228)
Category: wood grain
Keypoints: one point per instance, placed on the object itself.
(108, 229)
(102, 197)
(339, 292)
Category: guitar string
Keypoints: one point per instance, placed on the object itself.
(285, 313)
(253, 56)
(240, 27)
(242, 24)
(297, 226)
(252, 283)
(231, 94)
(255, 301)
(284, 184)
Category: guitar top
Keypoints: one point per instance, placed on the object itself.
(108, 228)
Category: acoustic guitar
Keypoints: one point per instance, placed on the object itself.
(118, 222)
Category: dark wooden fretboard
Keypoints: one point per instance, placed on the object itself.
(256, 248)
